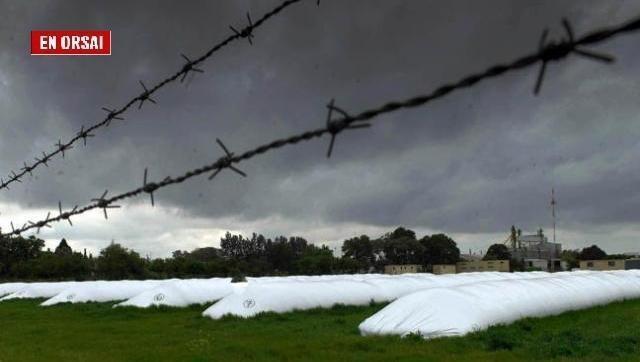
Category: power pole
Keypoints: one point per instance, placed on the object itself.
(553, 212)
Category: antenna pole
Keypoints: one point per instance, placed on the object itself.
(553, 212)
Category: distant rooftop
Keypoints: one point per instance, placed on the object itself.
(532, 238)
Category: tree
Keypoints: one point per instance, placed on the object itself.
(361, 250)
(401, 247)
(205, 254)
(231, 246)
(63, 248)
(238, 247)
(50, 265)
(279, 254)
(117, 262)
(347, 265)
(439, 249)
(298, 245)
(497, 252)
(238, 256)
(402, 233)
(403, 251)
(316, 261)
(592, 252)
(159, 268)
(15, 252)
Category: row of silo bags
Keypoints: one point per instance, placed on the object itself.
(427, 304)
(140, 293)
(289, 295)
(266, 294)
(458, 310)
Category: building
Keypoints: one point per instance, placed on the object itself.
(444, 269)
(632, 264)
(610, 264)
(613, 264)
(482, 266)
(402, 269)
(544, 265)
(536, 264)
(533, 249)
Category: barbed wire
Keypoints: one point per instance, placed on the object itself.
(116, 114)
(547, 52)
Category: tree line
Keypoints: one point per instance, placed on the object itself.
(237, 256)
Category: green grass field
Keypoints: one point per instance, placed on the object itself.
(96, 332)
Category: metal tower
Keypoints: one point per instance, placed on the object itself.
(553, 212)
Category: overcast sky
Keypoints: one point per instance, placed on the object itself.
(469, 165)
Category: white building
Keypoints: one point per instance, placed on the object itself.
(536, 264)
(535, 251)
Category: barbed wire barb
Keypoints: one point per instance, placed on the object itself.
(42, 160)
(602, 57)
(336, 126)
(63, 147)
(226, 162)
(144, 96)
(15, 177)
(553, 51)
(247, 32)
(84, 135)
(66, 215)
(16, 231)
(543, 64)
(27, 169)
(111, 116)
(104, 203)
(188, 67)
(149, 187)
(40, 224)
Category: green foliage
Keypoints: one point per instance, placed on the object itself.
(592, 252)
(316, 261)
(51, 266)
(348, 265)
(361, 254)
(571, 257)
(237, 257)
(497, 339)
(63, 249)
(618, 256)
(361, 251)
(117, 262)
(16, 252)
(497, 252)
(401, 247)
(439, 249)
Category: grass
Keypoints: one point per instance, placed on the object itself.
(96, 332)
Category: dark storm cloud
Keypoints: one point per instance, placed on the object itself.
(475, 162)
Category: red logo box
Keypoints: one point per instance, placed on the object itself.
(70, 42)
